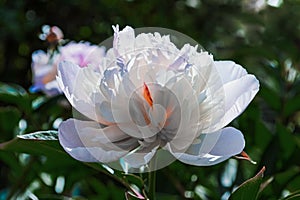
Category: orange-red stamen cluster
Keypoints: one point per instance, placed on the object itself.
(147, 95)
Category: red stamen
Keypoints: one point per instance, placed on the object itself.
(147, 95)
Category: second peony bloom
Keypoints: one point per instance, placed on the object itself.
(150, 102)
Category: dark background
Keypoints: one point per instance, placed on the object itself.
(265, 41)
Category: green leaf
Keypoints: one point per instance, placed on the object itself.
(40, 135)
(10, 159)
(12, 89)
(292, 106)
(15, 94)
(286, 137)
(249, 189)
(9, 122)
(294, 196)
(284, 178)
(41, 144)
(271, 97)
(34, 145)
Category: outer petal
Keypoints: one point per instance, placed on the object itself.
(207, 85)
(81, 82)
(239, 88)
(230, 142)
(229, 70)
(86, 141)
(81, 87)
(237, 99)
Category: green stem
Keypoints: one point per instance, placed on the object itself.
(152, 185)
(152, 180)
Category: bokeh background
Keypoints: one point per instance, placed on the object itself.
(261, 35)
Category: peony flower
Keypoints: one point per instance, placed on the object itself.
(82, 54)
(44, 71)
(151, 102)
(44, 65)
(52, 34)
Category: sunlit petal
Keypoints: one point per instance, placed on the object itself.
(214, 148)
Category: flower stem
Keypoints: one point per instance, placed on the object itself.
(152, 179)
(152, 185)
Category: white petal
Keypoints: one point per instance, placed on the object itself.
(67, 73)
(80, 82)
(81, 87)
(238, 94)
(229, 70)
(144, 41)
(184, 113)
(229, 142)
(123, 41)
(207, 85)
(87, 138)
(237, 91)
(138, 159)
(94, 154)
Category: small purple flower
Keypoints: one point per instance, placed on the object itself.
(82, 54)
(44, 65)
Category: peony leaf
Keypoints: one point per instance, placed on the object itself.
(15, 94)
(292, 105)
(249, 189)
(38, 143)
(294, 196)
(12, 89)
(40, 135)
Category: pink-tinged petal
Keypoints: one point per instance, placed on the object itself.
(87, 141)
(57, 31)
(230, 142)
(83, 54)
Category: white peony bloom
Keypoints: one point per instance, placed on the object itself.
(150, 103)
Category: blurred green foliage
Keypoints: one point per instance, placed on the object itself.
(265, 41)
